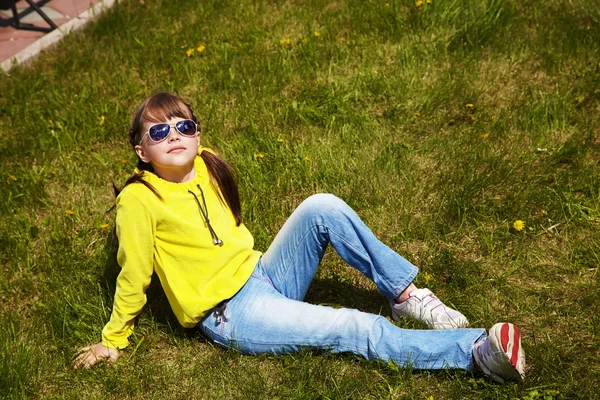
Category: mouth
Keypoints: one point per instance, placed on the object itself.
(177, 149)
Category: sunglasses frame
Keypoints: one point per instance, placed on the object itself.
(169, 134)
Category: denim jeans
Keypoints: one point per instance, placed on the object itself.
(268, 315)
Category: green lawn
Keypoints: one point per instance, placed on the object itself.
(441, 123)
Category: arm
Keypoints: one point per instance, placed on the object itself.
(135, 231)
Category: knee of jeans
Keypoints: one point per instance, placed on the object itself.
(324, 204)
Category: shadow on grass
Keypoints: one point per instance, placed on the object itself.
(328, 292)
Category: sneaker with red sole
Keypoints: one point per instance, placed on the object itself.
(500, 355)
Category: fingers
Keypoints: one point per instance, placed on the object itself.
(85, 360)
(91, 355)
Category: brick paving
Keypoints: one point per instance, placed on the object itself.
(14, 41)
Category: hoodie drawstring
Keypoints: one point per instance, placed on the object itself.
(204, 212)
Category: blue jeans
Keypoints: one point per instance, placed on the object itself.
(268, 315)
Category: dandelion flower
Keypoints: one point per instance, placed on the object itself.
(470, 106)
(69, 212)
(103, 226)
(473, 118)
(259, 156)
(417, 114)
(485, 135)
(10, 179)
(285, 42)
(281, 140)
(200, 48)
(519, 225)
(172, 31)
(189, 52)
(304, 40)
(419, 3)
(102, 119)
(428, 277)
(429, 2)
(317, 34)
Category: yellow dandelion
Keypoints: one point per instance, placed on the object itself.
(103, 226)
(387, 4)
(485, 135)
(11, 179)
(519, 225)
(134, 69)
(429, 2)
(123, 162)
(428, 277)
(430, 397)
(473, 118)
(305, 40)
(259, 156)
(281, 140)
(470, 106)
(189, 52)
(200, 48)
(417, 114)
(419, 3)
(172, 31)
(102, 119)
(317, 34)
(69, 212)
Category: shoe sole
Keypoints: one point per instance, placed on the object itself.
(506, 337)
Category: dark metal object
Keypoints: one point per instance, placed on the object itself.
(6, 4)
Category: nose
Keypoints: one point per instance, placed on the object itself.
(173, 134)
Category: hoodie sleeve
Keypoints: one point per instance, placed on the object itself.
(135, 227)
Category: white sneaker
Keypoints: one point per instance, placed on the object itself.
(422, 305)
(500, 355)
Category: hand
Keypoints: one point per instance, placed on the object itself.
(90, 355)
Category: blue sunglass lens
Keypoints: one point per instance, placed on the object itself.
(159, 132)
(186, 127)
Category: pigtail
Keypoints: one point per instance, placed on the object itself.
(222, 175)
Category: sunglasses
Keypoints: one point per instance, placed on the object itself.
(159, 132)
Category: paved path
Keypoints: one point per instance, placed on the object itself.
(18, 46)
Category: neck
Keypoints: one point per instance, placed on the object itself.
(176, 175)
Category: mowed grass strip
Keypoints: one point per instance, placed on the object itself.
(441, 123)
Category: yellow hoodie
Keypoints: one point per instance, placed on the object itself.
(171, 237)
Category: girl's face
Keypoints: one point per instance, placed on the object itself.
(172, 158)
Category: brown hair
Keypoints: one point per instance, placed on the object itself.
(162, 107)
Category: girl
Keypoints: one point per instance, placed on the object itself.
(179, 215)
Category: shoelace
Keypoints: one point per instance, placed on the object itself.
(204, 212)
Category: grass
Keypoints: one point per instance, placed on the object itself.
(441, 124)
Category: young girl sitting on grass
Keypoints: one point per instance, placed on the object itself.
(179, 215)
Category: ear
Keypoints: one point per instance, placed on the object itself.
(142, 154)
